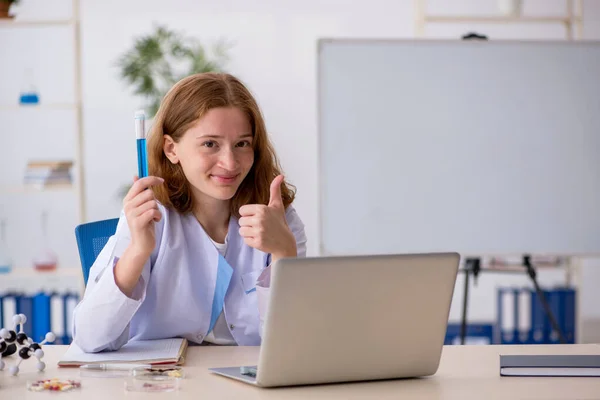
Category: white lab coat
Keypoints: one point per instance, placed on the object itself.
(174, 295)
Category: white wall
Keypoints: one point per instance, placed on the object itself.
(275, 54)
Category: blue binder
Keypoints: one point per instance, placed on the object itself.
(25, 306)
(68, 298)
(475, 334)
(562, 304)
(65, 336)
(2, 311)
(41, 326)
(508, 316)
(524, 316)
(569, 301)
(539, 320)
(510, 330)
(10, 297)
(38, 310)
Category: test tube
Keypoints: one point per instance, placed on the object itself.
(140, 136)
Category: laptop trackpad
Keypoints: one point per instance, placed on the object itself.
(236, 373)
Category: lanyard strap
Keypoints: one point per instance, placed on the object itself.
(224, 273)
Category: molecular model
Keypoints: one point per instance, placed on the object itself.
(26, 346)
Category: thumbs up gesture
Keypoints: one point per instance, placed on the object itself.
(264, 226)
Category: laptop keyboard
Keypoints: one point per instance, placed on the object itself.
(248, 371)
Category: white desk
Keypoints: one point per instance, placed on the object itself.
(466, 372)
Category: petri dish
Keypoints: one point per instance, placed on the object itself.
(155, 379)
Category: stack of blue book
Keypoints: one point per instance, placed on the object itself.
(476, 333)
(45, 312)
(521, 318)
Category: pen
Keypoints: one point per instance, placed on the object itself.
(140, 136)
(114, 367)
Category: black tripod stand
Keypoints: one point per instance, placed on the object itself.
(473, 266)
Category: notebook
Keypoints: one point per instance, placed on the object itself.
(155, 352)
(550, 365)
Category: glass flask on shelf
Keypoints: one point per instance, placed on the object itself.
(45, 259)
(5, 260)
(29, 94)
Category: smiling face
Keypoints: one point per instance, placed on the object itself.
(209, 143)
(215, 153)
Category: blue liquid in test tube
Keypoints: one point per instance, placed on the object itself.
(140, 136)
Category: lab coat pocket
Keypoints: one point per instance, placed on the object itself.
(249, 281)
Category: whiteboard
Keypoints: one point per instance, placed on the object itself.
(476, 147)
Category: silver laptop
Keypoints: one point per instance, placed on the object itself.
(354, 318)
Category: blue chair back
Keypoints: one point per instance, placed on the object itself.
(91, 239)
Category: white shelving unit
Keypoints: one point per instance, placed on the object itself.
(65, 273)
(572, 19)
(30, 281)
(18, 23)
(50, 106)
(31, 189)
(74, 23)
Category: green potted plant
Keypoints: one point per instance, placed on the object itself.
(5, 6)
(160, 59)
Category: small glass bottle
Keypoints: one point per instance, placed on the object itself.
(46, 259)
(5, 261)
(29, 94)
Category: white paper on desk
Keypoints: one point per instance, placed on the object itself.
(146, 351)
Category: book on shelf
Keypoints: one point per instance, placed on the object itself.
(48, 173)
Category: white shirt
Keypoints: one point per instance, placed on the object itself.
(220, 333)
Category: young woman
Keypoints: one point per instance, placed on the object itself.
(194, 237)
